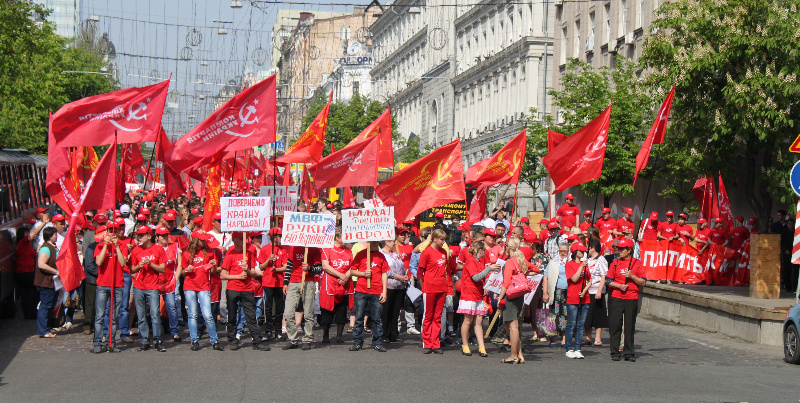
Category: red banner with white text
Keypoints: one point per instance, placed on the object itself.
(671, 260)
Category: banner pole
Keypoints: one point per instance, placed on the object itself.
(369, 264)
(594, 211)
(303, 278)
(514, 206)
(233, 172)
(149, 162)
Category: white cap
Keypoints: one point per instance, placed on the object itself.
(125, 209)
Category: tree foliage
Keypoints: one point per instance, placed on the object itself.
(734, 64)
(33, 59)
(346, 120)
(587, 92)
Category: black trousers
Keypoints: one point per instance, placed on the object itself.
(619, 309)
(391, 312)
(29, 294)
(274, 300)
(248, 301)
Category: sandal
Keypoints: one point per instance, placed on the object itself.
(514, 361)
(48, 336)
(598, 344)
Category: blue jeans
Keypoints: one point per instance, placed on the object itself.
(101, 300)
(148, 300)
(576, 316)
(202, 300)
(171, 304)
(368, 303)
(242, 321)
(124, 324)
(47, 297)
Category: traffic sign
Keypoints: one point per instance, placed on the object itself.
(794, 178)
(278, 144)
(795, 147)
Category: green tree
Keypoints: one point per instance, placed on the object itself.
(33, 82)
(345, 120)
(587, 92)
(734, 64)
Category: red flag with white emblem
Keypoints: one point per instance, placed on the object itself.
(503, 167)
(246, 120)
(579, 158)
(725, 212)
(134, 114)
(655, 136)
(354, 165)
(60, 184)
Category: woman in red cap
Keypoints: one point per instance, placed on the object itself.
(167, 281)
(579, 280)
(197, 264)
(512, 308)
(336, 288)
(471, 304)
(625, 278)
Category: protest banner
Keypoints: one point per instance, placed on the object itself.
(450, 211)
(494, 282)
(245, 213)
(368, 224)
(534, 281)
(373, 203)
(284, 197)
(671, 260)
(308, 229)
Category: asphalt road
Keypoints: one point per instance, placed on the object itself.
(674, 364)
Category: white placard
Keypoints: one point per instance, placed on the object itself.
(245, 213)
(494, 282)
(373, 203)
(534, 281)
(501, 262)
(368, 224)
(413, 293)
(308, 229)
(285, 197)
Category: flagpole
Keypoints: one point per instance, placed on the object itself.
(233, 172)
(149, 162)
(514, 206)
(113, 276)
(594, 210)
(274, 188)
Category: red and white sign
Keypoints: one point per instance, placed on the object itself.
(494, 282)
(796, 246)
(245, 213)
(373, 203)
(534, 281)
(285, 197)
(671, 260)
(368, 224)
(308, 229)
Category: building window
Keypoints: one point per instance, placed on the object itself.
(562, 59)
(590, 36)
(607, 28)
(355, 87)
(623, 18)
(640, 14)
(577, 40)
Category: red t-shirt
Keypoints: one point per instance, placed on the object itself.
(462, 256)
(680, 229)
(666, 229)
(544, 234)
(296, 254)
(104, 275)
(233, 264)
(198, 278)
(574, 289)
(527, 252)
(605, 225)
(147, 277)
(130, 243)
(650, 231)
(617, 274)
(569, 215)
(338, 258)
(702, 234)
(405, 251)
(471, 290)
(491, 255)
(623, 224)
(739, 235)
(270, 278)
(171, 262)
(379, 266)
(433, 270)
(26, 256)
(454, 252)
(585, 226)
(718, 236)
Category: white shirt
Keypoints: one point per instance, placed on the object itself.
(487, 223)
(40, 237)
(598, 269)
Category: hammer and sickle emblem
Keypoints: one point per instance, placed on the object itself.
(516, 160)
(442, 172)
(245, 118)
(135, 113)
(357, 161)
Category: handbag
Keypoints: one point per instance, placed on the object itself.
(519, 286)
(545, 323)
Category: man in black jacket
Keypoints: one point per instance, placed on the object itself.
(90, 268)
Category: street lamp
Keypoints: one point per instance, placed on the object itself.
(236, 4)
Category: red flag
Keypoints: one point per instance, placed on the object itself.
(433, 180)
(97, 195)
(725, 212)
(134, 161)
(59, 183)
(308, 148)
(348, 201)
(172, 180)
(134, 114)
(554, 139)
(382, 127)
(579, 158)
(354, 165)
(307, 189)
(213, 193)
(503, 167)
(478, 206)
(287, 177)
(656, 134)
(120, 182)
(333, 149)
(246, 120)
(706, 196)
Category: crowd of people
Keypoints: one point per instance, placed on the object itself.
(156, 270)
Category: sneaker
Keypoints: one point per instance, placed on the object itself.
(570, 354)
(412, 330)
(261, 347)
(268, 336)
(631, 359)
(451, 333)
(427, 350)
(195, 346)
(127, 339)
(234, 346)
(615, 358)
(577, 354)
(160, 347)
(114, 349)
(306, 346)
(339, 340)
(98, 350)
(290, 346)
(283, 336)
(438, 351)
(379, 348)
(326, 339)
(144, 347)
(238, 336)
(355, 347)
(217, 347)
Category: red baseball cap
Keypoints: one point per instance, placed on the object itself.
(739, 218)
(58, 217)
(552, 225)
(408, 222)
(141, 217)
(117, 213)
(625, 243)
(569, 196)
(716, 220)
(701, 221)
(462, 227)
(587, 212)
(524, 219)
(275, 231)
(112, 224)
(202, 235)
(255, 234)
(172, 211)
(32, 221)
(629, 211)
(100, 218)
(605, 210)
(144, 230)
(217, 216)
(161, 231)
(530, 237)
(169, 217)
(489, 232)
(669, 213)
(544, 221)
(572, 237)
(439, 214)
(654, 216)
(144, 210)
(683, 215)
(753, 220)
(198, 220)
(577, 246)
(212, 242)
(194, 211)
(40, 210)
(400, 230)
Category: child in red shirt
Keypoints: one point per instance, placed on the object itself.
(578, 283)
(371, 285)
